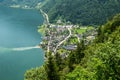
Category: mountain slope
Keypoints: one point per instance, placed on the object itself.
(102, 58)
(99, 60)
(86, 12)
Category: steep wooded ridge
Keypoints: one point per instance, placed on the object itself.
(30, 3)
(85, 12)
(99, 60)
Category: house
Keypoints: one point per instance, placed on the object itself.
(70, 47)
(90, 38)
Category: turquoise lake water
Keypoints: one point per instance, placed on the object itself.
(18, 38)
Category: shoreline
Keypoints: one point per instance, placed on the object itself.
(20, 7)
(57, 36)
(46, 23)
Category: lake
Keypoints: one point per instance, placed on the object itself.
(18, 40)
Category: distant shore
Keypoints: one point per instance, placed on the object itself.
(22, 7)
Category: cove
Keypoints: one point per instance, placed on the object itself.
(18, 38)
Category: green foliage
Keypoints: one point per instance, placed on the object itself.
(85, 12)
(108, 28)
(80, 74)
(59, 61)
(79, 54)
(42, 29)
(80, 30)
(71, 61)
(99, 60)
(51, 68)
(36, 74)
(73, 40)
(76, 56)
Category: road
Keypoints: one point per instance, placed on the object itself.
(48, 46)
(78, 38)
(60, 43)
(45, 17)
(47, 23)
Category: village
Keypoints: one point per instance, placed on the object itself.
(64, 38)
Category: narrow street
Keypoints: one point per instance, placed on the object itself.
(60, 43)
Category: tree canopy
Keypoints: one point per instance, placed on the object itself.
(85, 12)
(99, 60)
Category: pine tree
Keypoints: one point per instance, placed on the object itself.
(51, 69)
(58, 61)
(79, 54)
(71, 61)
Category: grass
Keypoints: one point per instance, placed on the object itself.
(41, 29)
(81, 30)
(73, 40)
(90, 27)
(60, 51)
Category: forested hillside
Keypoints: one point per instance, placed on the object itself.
(99, 60)
(31, 3)
(85, 12)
